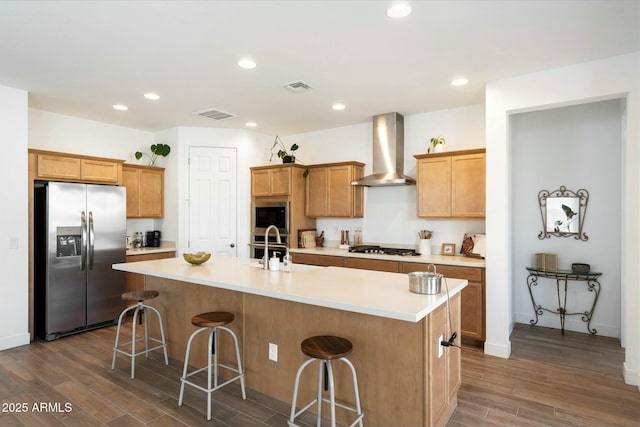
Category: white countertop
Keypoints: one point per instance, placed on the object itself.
(461, 261)
(360, 291)
(171, 247)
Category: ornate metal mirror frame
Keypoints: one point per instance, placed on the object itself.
(563, 213)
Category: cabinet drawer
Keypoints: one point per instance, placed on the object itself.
(455, 272)
(372, 264)
(322, 260)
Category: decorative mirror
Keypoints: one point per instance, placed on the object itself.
(563, 213)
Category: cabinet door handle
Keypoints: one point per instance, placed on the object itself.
(233, 245)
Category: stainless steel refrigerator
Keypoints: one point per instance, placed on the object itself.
(79, 232)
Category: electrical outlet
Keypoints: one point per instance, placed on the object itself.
(273, 352)
(440, 347)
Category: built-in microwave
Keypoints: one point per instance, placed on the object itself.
(265, 214)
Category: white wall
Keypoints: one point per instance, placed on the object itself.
(617, 77)
(68, 134)
(390, 212)
(14, 234)
(578, 147)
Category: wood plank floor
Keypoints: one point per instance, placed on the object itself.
(550, 380)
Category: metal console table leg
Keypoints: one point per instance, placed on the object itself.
(562, 277)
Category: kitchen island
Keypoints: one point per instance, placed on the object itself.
(405, 377)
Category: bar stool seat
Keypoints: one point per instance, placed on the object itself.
(139, 308)
(325, 348)
(212, 322)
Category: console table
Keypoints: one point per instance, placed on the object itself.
(562, 277)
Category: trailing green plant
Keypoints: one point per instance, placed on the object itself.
(433, 142)
(280, 150)
(156, 150)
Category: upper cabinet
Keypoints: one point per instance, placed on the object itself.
(451, 185)
(145, 191)
(76, 168)
(330, 193)
(271, 180)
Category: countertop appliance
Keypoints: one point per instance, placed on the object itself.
(80, 231)
(374, 249)
(154, 238)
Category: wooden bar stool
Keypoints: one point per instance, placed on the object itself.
(139, 308)
(325, 349)
(212, 322)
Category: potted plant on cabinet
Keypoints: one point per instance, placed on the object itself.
(436, 144)
(280, 150)
(156, 150)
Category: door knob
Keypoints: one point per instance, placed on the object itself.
(233, 245)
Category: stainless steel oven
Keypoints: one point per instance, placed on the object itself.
(264, 214)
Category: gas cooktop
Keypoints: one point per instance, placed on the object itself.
(373, 249)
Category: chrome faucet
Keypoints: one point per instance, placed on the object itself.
(266, 244)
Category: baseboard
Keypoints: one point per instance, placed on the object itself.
(631, 377)
(498, 350)
(14, 341)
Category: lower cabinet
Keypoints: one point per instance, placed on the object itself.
(135, 282)
(473, 296)
(443, 364)
(322, 260)
(371, 264)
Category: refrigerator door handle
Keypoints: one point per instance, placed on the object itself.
(91, 239)
(83, 249)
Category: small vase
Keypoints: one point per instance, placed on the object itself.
(289, 159)
(439, 148)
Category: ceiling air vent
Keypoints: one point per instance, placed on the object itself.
(215, 114)
(297, 86)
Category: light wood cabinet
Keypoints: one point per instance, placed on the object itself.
(444, 364)
(322, 260)
(282, 183)
(371, 264)
(330, 193)
(472, 297)
(76, 168)
(145, 191)
(271, 181)
(451, 184)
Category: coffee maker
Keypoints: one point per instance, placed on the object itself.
(154, 238)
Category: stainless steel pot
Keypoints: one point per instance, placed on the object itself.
(425, 282)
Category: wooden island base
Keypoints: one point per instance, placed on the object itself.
(402, 380)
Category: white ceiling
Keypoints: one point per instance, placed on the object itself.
(80, 58)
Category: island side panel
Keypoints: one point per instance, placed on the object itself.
(388, 355)
(179, 302)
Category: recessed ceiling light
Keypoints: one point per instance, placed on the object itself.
(459, 81)
(251, 124)
(247, 63)
(152, 96)
(120, 107)
(399, 9)
(338, 106)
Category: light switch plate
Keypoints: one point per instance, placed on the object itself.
(273, 352)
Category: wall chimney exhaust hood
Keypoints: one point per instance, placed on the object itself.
(388, 153)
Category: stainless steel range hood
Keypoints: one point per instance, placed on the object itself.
(388, 153)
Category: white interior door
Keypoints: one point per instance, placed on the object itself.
(212, 200)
